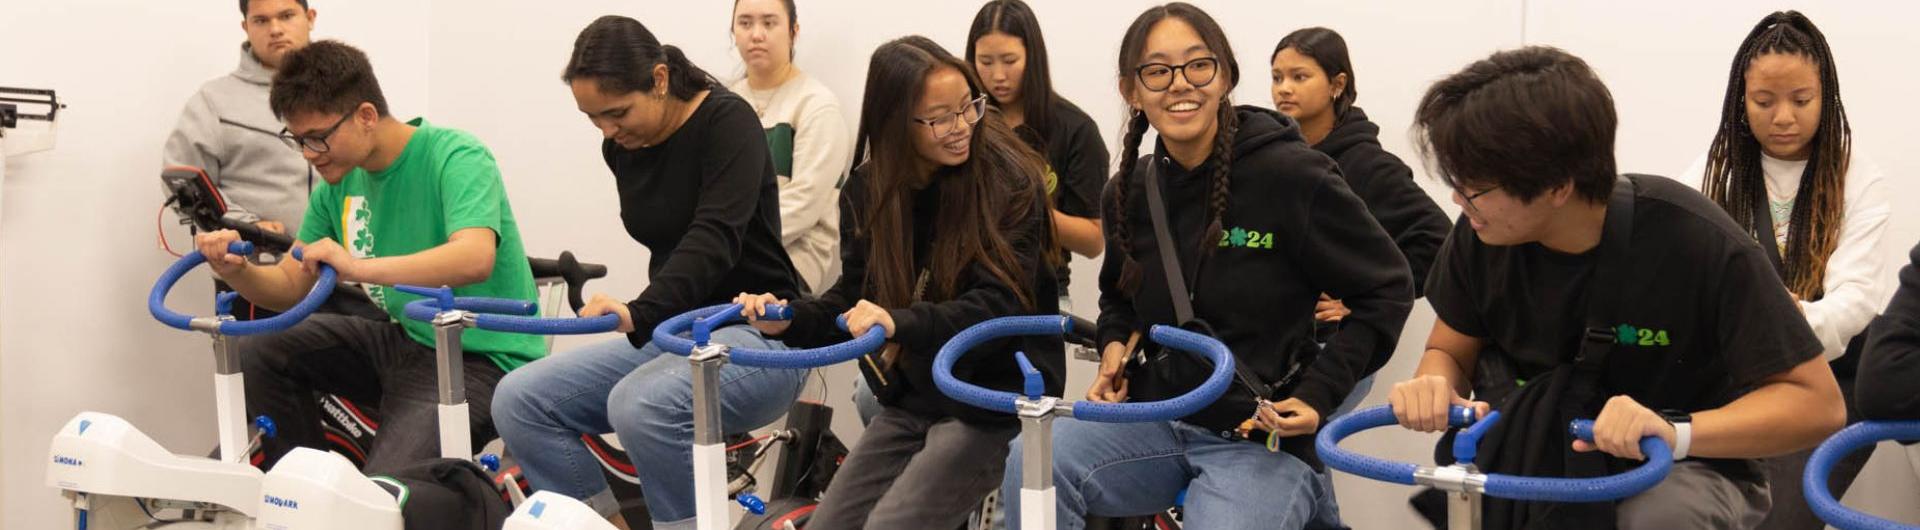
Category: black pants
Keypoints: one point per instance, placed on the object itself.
(1790, 510)
(367, 362)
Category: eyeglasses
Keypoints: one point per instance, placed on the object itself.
(316, 142)
(1475, 195)
(1158, 77)
(946, 125)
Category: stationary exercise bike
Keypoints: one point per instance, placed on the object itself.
(117, 477)
(1853, 438)
(1465, 484)
(1037, 411)
(709, 441)
(311, 489)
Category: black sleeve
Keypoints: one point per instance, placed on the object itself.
(924, 326)
(1417, 224)
(1760, 329)
(733, 168)
(1891, 359)
(1348, 256)
(1117, 318)
(813, 319)
(1454, 283)
(1082, 172)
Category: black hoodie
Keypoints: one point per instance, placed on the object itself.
(1292, 230)
(1386, 185)
(923, 327)
(1891, 360)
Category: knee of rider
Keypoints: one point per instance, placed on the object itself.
(1649, 511)
(647, 406)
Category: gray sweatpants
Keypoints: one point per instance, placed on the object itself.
(913, 472)
(1696, 497)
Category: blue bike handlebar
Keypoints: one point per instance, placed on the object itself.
(1659, 462)
(501, 314)
(1001, 401)
(157, 299)
(701, 322)
(1820, 465)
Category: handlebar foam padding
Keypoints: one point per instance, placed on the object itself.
(157, 301)
(668, 337)
(426, 309)
(1853, 438)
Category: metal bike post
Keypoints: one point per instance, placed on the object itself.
(709, 450)
(456, 432)
(229, 389)
(1036, 471)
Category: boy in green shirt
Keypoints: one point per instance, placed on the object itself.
(402, 203)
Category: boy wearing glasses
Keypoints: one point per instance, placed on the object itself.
(401, 203)
(1569, 291)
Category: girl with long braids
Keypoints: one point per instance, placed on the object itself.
(943, 226)
(1261, 225)
(1782, 164)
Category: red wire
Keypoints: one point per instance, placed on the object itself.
(736, 447)
(161, 232)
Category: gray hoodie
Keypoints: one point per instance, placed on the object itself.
(228, 130)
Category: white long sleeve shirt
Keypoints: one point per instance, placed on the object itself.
(1859, 281)
(811, 147)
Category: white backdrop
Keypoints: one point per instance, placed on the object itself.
(76, 239)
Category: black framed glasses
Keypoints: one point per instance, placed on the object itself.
(1475, 195)
(1158, 77)
(946, 125)
(316, 142)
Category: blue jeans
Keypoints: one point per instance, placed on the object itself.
(1126, 469)
(542, 410)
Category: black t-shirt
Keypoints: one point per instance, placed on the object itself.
(707, 207)
(1076, 165)
(1706, 317)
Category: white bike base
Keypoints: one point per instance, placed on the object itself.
(311, 489)
(547, 510)
(101, 454)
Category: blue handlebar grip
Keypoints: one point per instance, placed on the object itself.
(442, 296)
(1466, 445)
(1034, 384)
(841, 321)
(299, 253)
(244, 248)
(223, 302)
(1581, 430)
(776, 312)
(266, 426)
(1862, 435)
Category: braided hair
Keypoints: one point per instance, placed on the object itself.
(1734, 178)
(1228, 126)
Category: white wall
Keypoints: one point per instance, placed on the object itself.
(492, 67)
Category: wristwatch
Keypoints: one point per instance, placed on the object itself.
(1682, 422)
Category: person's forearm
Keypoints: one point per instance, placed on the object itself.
(1772, 420)
(1080, 235)
(1440, 363)
(267, 286)
(455, 264)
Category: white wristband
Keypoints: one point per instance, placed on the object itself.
(1682, 439)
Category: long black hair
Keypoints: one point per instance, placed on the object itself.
(1015, 18)
(1132, 47)
(982, 202)
(1326, 47)
(1734, 178)
(619, 53)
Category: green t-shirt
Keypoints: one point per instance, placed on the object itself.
(444, 181)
